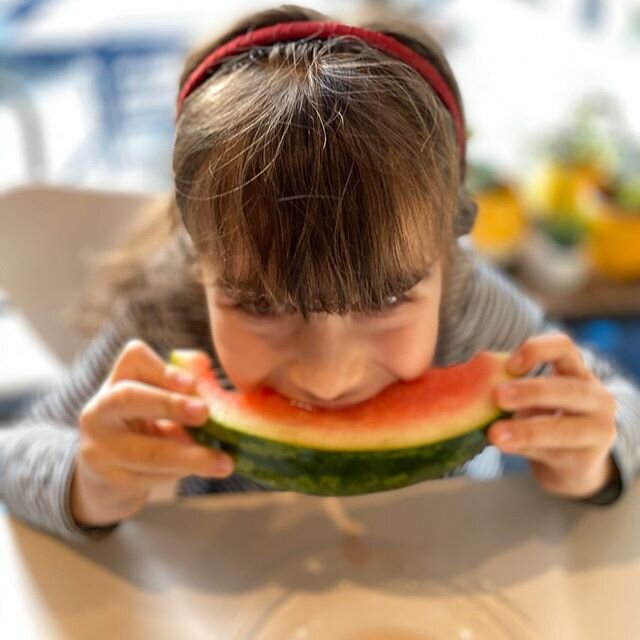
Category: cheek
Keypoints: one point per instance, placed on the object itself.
(409, 350)
(246, 358)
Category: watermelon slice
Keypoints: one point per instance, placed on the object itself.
(411, 431)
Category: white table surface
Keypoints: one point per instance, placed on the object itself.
(207, 567)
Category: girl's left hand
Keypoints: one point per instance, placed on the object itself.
(563, 423)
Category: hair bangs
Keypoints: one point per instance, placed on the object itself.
(330, 200)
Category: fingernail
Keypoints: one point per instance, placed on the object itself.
(196, 408)
(183, 379)
(504, 435)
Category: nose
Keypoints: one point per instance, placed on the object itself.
(329, 362)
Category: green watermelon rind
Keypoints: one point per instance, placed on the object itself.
(324, 472)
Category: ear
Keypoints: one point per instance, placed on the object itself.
(466, 215)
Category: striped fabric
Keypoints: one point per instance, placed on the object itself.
(481, 309)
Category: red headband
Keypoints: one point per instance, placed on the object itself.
(288, 31)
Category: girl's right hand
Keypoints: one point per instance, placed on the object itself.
(132, 438)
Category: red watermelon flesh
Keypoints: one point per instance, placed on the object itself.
(443, 403)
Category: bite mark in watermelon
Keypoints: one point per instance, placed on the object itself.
(409, 432)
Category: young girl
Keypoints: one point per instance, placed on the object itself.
(312, 240)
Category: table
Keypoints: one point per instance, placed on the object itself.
(210, 566)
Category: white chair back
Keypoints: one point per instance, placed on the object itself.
(46, 235)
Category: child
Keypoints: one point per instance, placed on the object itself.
(312, 239)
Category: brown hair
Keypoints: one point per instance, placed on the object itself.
(321, 174)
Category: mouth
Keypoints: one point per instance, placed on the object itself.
(311, 406)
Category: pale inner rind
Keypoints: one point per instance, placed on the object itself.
(358, 437)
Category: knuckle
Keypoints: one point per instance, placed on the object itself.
(131, 354)
(88, 416)
(565, 340)
(555, 336)
(526, 348)
(122, 394)
(90, 450)
(135, 347)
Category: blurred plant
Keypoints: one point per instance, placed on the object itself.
(595, 152)
(591, 137)
(599, 136)
(481, 176)
(587, 191)
(564, 230)
(627, 193)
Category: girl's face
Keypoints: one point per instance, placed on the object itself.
(329, 360)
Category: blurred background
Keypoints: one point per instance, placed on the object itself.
(552, 97)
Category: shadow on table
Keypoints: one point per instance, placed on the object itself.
(241, 547)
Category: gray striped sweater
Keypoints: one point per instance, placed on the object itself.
(481, 309)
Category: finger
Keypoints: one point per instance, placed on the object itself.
(140, 426)
(574, 395)
(168, 429)
(134, 479)
(138, 361)
(555, 348)
(172, 430)
(562, 459)
(145, 454)
(551, 432)
(127, 400)
(531, 413)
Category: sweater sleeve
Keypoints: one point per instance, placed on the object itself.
(497, 315)
(37, 451)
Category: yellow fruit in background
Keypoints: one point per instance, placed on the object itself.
(613, 242)
(501, 223)
(561, 187)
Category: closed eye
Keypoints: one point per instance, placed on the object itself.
(391, 305)
(264, 311)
